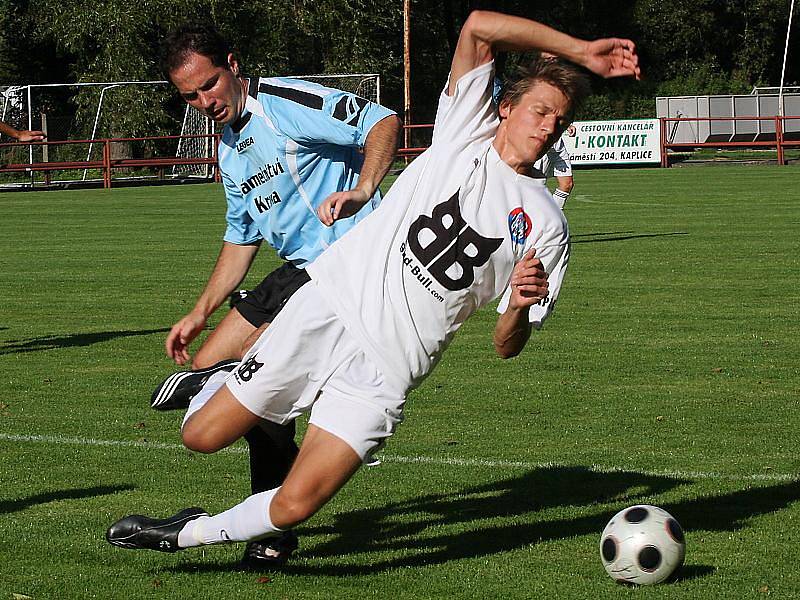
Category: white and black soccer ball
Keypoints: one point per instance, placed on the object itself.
(642, 544)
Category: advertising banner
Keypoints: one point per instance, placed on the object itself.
(615, 142)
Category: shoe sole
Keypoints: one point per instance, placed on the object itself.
(166, 390)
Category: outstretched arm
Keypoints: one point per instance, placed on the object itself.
(232, 265)
(21, 136)
(486, 33)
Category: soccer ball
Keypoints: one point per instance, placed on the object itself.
(642, 544)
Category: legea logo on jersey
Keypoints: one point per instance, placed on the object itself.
(519, 224)
(245, 144)
(447, 247)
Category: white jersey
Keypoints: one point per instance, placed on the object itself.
(555, 162)
(443, 243)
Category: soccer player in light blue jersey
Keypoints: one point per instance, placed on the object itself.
(290, 150)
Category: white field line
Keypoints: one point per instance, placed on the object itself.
(588, 199)
(393, 458)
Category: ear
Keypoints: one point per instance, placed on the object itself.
(233, 64)
(504, 109)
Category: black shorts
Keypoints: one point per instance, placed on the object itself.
(262, 303)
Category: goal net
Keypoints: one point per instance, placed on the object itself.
(88, 111)
(365, 85)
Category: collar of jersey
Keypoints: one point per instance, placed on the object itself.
(251, 107)
(495, 156)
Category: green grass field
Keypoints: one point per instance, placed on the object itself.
(667, 375)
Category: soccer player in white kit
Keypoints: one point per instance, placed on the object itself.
(556, 163)
(461, 226)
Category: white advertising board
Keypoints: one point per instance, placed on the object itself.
(615, 142)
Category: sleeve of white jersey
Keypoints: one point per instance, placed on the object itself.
(470, 113)
(554, 254)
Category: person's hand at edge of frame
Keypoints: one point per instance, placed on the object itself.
(31, 136)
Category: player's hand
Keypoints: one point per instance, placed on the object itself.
(528, 282)
(181, 335)
(31, 136)
(341, 205)
(613, 57)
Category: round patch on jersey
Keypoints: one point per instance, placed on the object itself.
(519, 224)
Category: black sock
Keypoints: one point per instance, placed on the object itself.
(272, 452)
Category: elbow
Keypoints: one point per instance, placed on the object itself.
(475, 27)
(476, 22)
(480, 30)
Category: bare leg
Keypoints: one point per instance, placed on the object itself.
(252, 338)
(225, 341)
(325, 463)
(218, 424)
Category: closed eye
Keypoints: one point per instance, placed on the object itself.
(190, 96)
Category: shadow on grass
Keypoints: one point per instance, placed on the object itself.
(598, 233)
(689, 572)
(51, 342)
(9, 506)
(438, 528)
(618, 236)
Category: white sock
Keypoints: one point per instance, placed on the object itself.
(210, 387)
(246, 521)
(560, 196)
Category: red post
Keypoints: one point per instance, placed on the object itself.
(217, 175)
(663, 126)
(779, 138)
(106, 164)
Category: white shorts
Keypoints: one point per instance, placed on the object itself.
(561, 168)
(306, 360)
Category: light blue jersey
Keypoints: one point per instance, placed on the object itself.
(295, 143)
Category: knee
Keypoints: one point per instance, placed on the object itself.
(568, 185)
(198, 439)
(288, 510)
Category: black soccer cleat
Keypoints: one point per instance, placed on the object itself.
(270, 553)
(177, 390)
(138, 532)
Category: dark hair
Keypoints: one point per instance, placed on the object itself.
(559, 73)
(200, 39)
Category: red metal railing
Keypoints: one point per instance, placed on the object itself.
(416, 150)
(108, 163)
(779, 143)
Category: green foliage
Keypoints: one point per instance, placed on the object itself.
(704, 79)
(687, 46)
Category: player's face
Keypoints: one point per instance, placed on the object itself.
(214, 91)
(532, 125)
